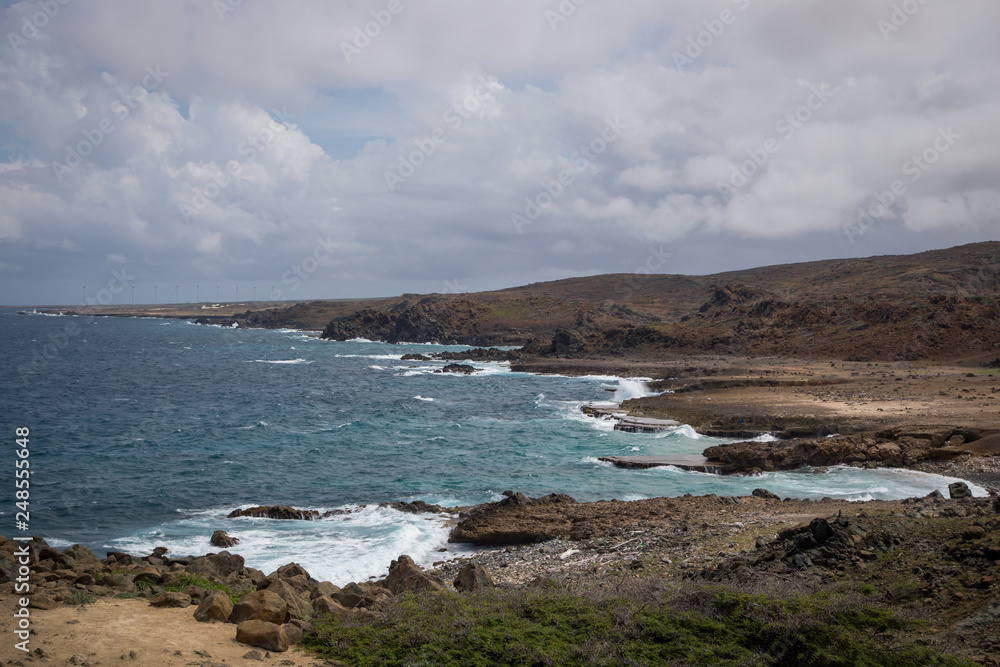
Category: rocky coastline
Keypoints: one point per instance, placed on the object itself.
(556, 541)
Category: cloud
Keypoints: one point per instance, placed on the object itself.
(199, 145)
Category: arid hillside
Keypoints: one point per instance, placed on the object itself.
(942, 304)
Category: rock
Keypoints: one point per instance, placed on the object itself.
(463, 369)
(280, 512)
(351, 595)
(268, 636)
(473, 577)
(518, 519)
(324, 588)
(197, 593)
(216, 608)
(260, 606)
(297, 606)
(406, 576)
(821, 530)
(959, 490)
(935, 494)
(416, 507)
(38, 601)
(218, 566)
(253, 655)
(293, 632)
(171, 600)
(414, 357)
(973, 533)
(291, 570)
(150, 574)
(222, 540)
(764, 493)
(80, 553)
(327, 605)
(996, 504)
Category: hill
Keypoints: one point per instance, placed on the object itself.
(941, 304)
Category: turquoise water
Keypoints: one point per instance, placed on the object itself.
(149, 432)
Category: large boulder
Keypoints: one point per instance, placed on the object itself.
(406, 576)
(223, 540)
(216, 566)
(473, 577)
(150, 574)
(291, 570)
(959, 490)
(327, 605)
(216, 608)
(324, 588)
(260, 606)
(268, 636)
(298, 607)
(352, 595)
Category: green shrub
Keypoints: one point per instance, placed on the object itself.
(611, 626)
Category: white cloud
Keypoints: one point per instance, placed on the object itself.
(259, 125)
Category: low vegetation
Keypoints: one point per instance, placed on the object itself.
(644, 622)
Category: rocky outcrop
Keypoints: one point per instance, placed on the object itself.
(824, 543)
(479, 354)
(432, 319)
(280, 512)
(889, 448)
(509, 521)
(461, 369)
(415, 507)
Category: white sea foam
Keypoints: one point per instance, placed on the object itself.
(387, 357)
(280, 361)
(343, 548)
(631, 388)
(595, 461)
(421, 398)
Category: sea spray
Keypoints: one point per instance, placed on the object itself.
(631, 388)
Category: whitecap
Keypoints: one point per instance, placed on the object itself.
(421, 398)
(280, 361)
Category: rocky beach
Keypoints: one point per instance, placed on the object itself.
(815, 376)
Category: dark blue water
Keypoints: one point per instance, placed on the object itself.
(148, 432)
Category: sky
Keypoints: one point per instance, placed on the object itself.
(204, 149)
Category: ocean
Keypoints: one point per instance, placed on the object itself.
(148, 432)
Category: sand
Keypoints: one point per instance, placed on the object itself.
(107, 631)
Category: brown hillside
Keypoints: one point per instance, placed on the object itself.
(942, 304)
